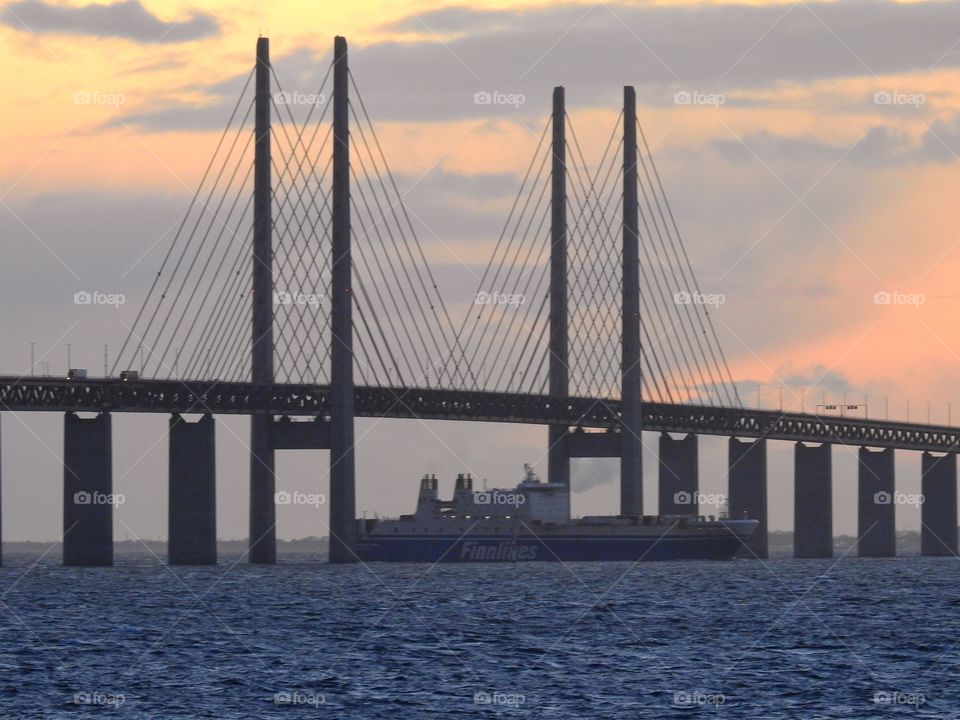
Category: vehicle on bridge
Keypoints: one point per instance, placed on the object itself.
(532, 522)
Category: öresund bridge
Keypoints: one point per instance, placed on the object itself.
(296, 292)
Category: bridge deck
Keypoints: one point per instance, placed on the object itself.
(31, 394)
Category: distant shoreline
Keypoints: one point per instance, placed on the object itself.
(780, 544)
(125, 547)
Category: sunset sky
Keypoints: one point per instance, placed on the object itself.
(825, 177)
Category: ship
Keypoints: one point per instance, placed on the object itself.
(532, 522)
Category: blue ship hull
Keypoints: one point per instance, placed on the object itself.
(434, 548)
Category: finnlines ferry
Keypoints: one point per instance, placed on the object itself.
(532, 522)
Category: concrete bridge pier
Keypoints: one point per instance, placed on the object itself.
(876, 511)
(192, 518)
(263, 511)
(813, 501)
(747, 487)
(88, 499)
(938, 532)
(679, 482)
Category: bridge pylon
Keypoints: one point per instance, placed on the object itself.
(343, 524)
(263, 517)
(631, 446)
(558, 454)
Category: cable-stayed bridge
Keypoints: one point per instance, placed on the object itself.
(297, 287)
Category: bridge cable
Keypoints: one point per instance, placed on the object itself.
(501, 237)
(181, 225)
(200, 247)
(692, 342)
(146, 333)
(508, 248)
(393, 245)
(716, 344)
(423, 259)
(306, 217)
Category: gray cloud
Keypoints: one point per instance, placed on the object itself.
(881, 146)
(821, 379)
(220, 97)
(127, 19)
(659, 49)
(757, 45)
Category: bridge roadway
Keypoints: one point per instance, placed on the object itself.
(32, 394)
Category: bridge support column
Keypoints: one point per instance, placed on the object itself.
(87, 491)
(192, 518)
(343, 514)
(631, 449)
(263, 511)
(876, 512)
(263, 536)
(558, 457)
(938, 514)
(747, 488)
(679, 483)
(813, 501)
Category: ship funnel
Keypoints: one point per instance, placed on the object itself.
(428, 492)
(464, 483)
